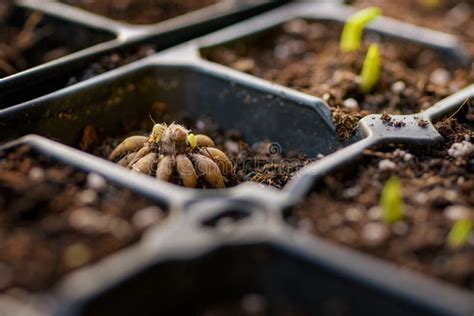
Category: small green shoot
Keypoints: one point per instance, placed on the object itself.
(460, 232)
(391, 201)
(351, 37)
(370, 74)
(192, 140)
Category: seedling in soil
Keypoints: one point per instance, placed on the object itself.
(370, 74)
(171, 149)
(391, 201)
(460, 233)
(351, 37)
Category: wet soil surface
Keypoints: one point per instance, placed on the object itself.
(450, 16)
(305, 56)
(28, 40)
(438, 190)
(55, 219)
(262, 162)
(141, 11)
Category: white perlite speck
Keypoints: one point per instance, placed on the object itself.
(462, 149)
(36, 174)
(440, 77)
(91, 220)
(353, 214)
(387, 164)
(351, 104)
(95, 181)
(407, 157)
(403, 154)
(398, 87)
(375, 213)
(457, 212)
(87, 197)
(374, 234)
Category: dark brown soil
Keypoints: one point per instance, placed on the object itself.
(28, 40)
(262, 162)
(55, 219)
(305, 56)
(452, 16)
(112, 61)
(141, 11)
(438, 189)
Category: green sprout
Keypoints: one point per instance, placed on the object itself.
(391, 201)
(370, 74)
(460, 232)
(352, 33)
(192, 140)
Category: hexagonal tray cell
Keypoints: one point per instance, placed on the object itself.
(58, 217)
(401, 200)
(141, 11)
(454, 17)
(96, 117)
(298, 47)
(163, 36)
(31, 38)
(248, 279)
(132, 43)
(437, 190)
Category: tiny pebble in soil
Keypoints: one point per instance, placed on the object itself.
(386, 165)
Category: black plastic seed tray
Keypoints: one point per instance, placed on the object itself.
(45, 303)
(224, 246)
(95, 37)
